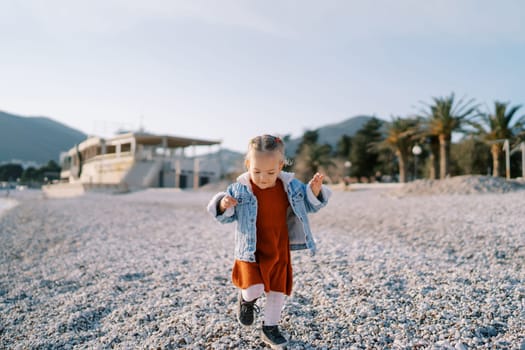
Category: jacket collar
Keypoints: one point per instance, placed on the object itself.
(285, 177)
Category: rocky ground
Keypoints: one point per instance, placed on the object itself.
(461, 185)
(151, 270)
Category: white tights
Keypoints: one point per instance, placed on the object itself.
(274, 303)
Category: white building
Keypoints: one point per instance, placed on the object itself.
(134, 161)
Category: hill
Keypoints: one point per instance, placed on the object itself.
(40, 139)
(233, 161)
(34, 139)
(331, 133)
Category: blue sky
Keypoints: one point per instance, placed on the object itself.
(230, 70)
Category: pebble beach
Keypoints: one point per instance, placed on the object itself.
(409, 268)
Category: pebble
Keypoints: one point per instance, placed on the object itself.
(152, 270)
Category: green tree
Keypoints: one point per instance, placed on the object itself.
(344, 146)
(400, 134)
(433, 158)
(470, 156)
(312, 156)
(363, 155)
(500, 124)
(310, 137)
(29, 175)
(46, 173)
(49, 172)
(10, 172)
(443, 117)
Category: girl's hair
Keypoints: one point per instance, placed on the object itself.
(266, 143)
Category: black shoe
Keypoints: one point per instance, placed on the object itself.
(273, 337)
(245, 313)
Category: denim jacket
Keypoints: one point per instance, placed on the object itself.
(301, 199)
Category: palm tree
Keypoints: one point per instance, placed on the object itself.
(443, 117)
(400, 138)
(497, 126)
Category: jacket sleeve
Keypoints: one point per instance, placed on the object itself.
(228, 215)
(313, 203)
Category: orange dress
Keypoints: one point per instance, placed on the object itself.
(273, 266)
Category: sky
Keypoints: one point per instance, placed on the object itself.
(232, 69)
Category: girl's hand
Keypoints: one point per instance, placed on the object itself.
(227, 202)
(316, 183)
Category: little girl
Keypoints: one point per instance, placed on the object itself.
(270, 207)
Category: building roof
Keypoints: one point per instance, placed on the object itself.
(142, 138)
(171, 141)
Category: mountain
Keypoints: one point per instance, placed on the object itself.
(233, 161)
(34, 139)
(40, 139)
(331, 133)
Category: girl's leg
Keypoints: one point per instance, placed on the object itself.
(271, 334)
(246, 304)
(273, 307)
(252, 292)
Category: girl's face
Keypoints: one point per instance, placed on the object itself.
(264, 168)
